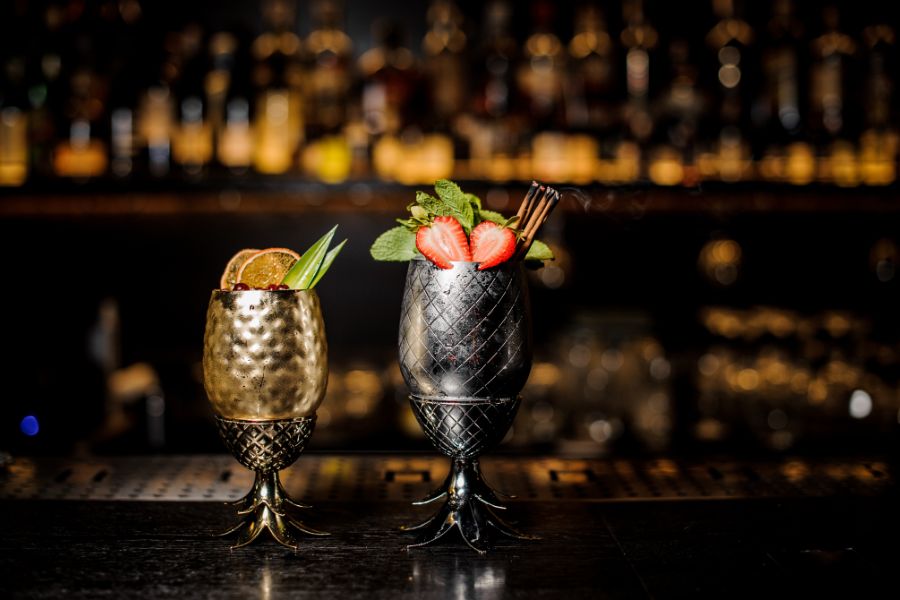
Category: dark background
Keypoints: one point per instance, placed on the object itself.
(631, 272)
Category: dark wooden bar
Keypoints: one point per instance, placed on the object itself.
(609, 528)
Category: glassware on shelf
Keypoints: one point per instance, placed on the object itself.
(330, 52)
(192, 146)
(155, 126)
(275, 142)
(445, 64)
(235, 141)
(13, 147)
(122, 142)
(81, 156)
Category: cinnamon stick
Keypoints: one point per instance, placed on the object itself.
(539, 215)
(534, 208)
(525, 207)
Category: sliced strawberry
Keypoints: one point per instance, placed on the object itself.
(492, 244)
(443, 241)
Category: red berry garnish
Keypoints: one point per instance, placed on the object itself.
(272, 287)
(240, 287)
(492, 244)
(283, 286)
(443, 241)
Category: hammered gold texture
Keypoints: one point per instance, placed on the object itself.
(264, 354)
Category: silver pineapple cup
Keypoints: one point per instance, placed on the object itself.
(465, 354)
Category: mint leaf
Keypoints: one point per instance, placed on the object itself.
(450, 193)
(455, 203)
(475, 201)
(493, 217)
(397, 244)
(539, 251)
(460, 210)
(466, 218)
(301, 275)
(429, 202)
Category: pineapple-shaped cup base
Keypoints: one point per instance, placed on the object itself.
(463, 429)
(266, 447)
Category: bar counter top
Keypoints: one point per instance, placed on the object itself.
(609, 528)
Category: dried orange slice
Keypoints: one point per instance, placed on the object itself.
(229, 275)
(266, 267)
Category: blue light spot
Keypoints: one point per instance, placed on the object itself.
(29, 425)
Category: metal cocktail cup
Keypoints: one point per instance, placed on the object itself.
(265, 369)
(465, 354)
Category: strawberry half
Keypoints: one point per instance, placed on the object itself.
(492, 244)
(443, 241)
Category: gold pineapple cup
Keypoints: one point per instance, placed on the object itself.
(265, 368)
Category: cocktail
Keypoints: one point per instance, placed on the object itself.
(265, 369)
(465, 340)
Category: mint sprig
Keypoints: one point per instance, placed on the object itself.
(397, 244)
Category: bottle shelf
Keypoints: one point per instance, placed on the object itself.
(285, 195)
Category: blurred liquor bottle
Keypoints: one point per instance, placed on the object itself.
(639, 40)
(155, 126)
(589, 94)
(492, 136)
(390, 84)
(730, 41)
(590, 83)
(83, 153)
(330, 51)
(155, 121)
(494, 62)
(334, 128)
(445, 69)
(192, 144)
(217, 81)
(13, 123)
(45, 87)
(541, 72)
(541, 78)
(879, 140)
(278, 75)
(390, 81)
(679, 107)
(125, 46)
(228, 93)
(832, 121)
(781, 144)
(445, 72)
(192, 141)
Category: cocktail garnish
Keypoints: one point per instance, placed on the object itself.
(407, 241)
(314, 263)
(266, 267)
(275, 269)
(492, 244)
(229, 275)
